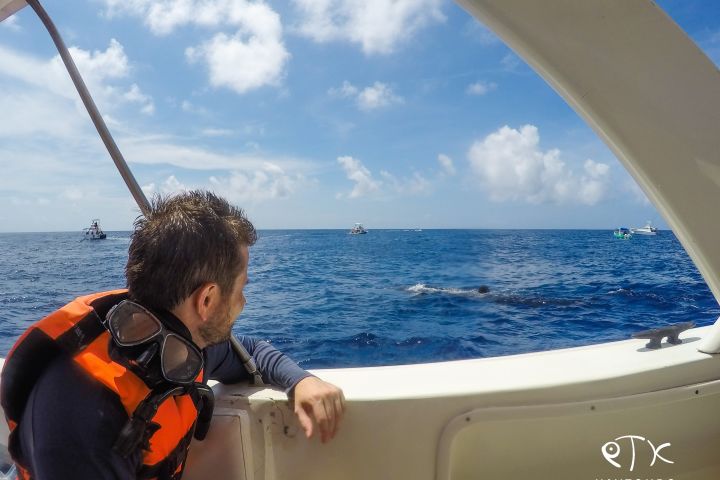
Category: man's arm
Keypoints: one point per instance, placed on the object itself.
(223, 365)
(315, 401)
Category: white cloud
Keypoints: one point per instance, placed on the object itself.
(73, 193)
(511, 166)
(358, 173)
(35, 114)
(253, 128)
(366, 184)
(217, 132)
(593, 182)
(171, 185)
(378, 95)
(166, 151)
(414, 185)
(635, 190)
(101, 71)
(247, 129)
(190, 107)
(480, 33)
(267, 183)
(11, 23)
(164, 16)
(242, 63)
(252, 57)
(510, 62)
(446, 163)
(24, 202)
(710, 44)
(112, 63)
(73, 173)
(379, 26)
(480, 88)
(347, 89)
(134, 95)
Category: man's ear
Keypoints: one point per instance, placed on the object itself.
(205, 299)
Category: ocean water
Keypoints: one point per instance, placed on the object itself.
(330, 299)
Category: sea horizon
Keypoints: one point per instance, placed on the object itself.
(368, 229)
(400, 296)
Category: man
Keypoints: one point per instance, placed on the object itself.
(111, 386)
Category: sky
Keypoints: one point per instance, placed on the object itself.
(305, 113)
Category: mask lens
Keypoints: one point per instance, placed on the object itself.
(131, 324)
(180, 362)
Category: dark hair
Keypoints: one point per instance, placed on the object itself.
(186, 240)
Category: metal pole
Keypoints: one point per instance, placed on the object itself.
(114, 151)
(97, 119)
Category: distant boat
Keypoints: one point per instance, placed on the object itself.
(648, 229)
(358, 229)
(622, 233)
(94, 232)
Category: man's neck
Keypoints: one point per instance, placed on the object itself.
(181, 314)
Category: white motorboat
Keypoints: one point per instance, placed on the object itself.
(94, 231)
(648, 229)
(613, 410)
(358, 229)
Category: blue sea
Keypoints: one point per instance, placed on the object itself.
(330, 299)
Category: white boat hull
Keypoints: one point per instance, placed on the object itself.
(545, 415)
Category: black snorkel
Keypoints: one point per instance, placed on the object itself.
(139, 428)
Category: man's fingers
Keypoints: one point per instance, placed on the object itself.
(322, 419)
(339, 412)
(337, 406)
(322, 405)
(334, 420)
(305, 421)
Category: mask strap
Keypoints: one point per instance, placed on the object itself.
(204, 400)
(139, 428)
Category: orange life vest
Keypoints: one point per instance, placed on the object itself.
(76, 331)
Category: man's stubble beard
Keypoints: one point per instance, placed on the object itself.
(219, 328)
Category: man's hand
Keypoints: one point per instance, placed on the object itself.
(321, 403)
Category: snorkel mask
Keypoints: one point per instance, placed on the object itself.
(168, 363)
(140, 339)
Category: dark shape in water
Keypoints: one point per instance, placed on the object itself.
(483, 289)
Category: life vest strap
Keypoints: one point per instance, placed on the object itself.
(33, 356)
(173, 465)
(77, 338)
(139, 428)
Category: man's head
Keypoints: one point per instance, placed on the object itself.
(192, 247)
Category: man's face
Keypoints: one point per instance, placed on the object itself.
(219, 327)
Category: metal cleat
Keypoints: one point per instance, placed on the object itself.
(656, 335)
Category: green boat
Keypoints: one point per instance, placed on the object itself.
(622, 233)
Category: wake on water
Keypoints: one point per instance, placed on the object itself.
(483, 292)
(421, 288)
